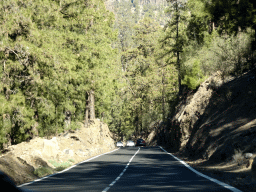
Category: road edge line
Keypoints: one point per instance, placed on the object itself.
(31, 182)
(202, 175)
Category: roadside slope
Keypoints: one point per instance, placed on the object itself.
(213, 127)
(21, 160)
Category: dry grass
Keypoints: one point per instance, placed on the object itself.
(238, 157)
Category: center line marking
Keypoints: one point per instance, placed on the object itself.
(119, 176)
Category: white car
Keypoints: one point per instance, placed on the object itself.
(119, 144)
(130, 143)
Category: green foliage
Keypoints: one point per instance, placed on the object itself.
(227, 54)
(232, 16)
(71, 160)
(198, 21)
(43, 171)
(52, 53)
(195, 43)
(129, 13)
(60, 166)
(193, 76)
(205, 48)
(148, 83)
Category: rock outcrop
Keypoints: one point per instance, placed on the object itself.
(215, 120)
(22, 159)
(190, 109)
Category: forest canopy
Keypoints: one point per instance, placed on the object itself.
(52, 53)
(136, 57)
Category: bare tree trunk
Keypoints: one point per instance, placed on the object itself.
(163, 96)
(67, 120)
(102, 116)
(8, 143)
(86, 116)
(91, 105)
(34, 130)
(136, 123)
(141, 114)
(179, 71)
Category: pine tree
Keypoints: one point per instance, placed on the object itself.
(174, 39)
(145, 93)
(53, 53)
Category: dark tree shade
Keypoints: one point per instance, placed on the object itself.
(233, 16)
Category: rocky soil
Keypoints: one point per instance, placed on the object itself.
(19, 161)
(228, 172)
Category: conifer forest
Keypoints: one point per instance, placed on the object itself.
(125, 62)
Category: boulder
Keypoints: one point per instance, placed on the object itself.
(50, 148)
(248, 155)
(69, 152)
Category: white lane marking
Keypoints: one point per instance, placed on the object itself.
(67, 168)
(205, 176)
(119, 176)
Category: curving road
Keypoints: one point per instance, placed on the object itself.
(130, 169)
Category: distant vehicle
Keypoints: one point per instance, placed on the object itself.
(130, 143)
(119, 144)
(140, 142)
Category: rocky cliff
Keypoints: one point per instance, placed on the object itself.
(215, 121)
(21, 160)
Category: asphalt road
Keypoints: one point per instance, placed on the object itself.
(129, 169)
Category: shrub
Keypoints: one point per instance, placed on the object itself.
(227, 54)
(71, 160)
(61, 166)
(43, 171)
(193, 74)
(238, 157)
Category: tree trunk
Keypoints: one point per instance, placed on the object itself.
(91, 105)
(67, 120)
(34, 130)
(86, 115)
(163, 95)
(136, 121)
(141, 114)
(102, 116)
(179, 71)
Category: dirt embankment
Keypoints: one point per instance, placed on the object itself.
(21, 160)
(212, 125)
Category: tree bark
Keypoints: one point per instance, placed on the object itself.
(163, 94)
(91, 105)
(141, 114)
(67, 120)
(86, 115)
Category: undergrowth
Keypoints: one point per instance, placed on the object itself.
(43, 171)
